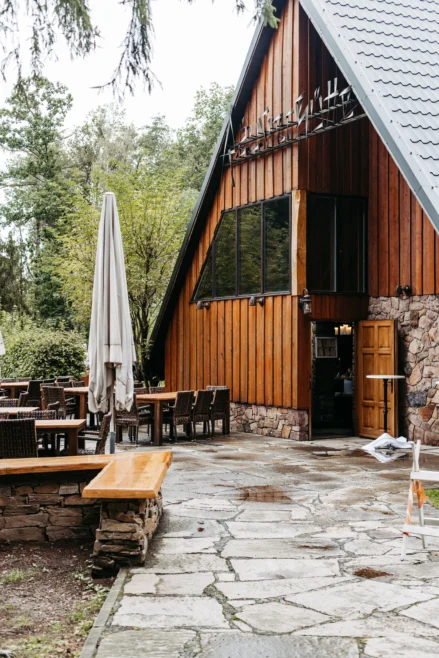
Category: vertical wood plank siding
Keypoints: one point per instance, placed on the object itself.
(403, 246)
(263, 353)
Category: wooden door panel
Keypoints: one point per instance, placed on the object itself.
(376, 355)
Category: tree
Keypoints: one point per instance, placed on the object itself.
(72, 19)
(154, 209)
(196, 141)
(37, 179)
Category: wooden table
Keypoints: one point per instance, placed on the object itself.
(80, 392)
(158, 400)
(13, 387)
(13, 411)
(70, 428)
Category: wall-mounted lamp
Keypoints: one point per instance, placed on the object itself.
(407, 290)
(305, 302)
(343, 330)
(201, 305)
(256, 300)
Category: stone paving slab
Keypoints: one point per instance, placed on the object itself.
(275, 549)
(258, 646)
(145, 644)
(170, 612)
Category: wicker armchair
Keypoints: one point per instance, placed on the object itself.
(220, 409)
(4, 416)
(8, 402)
(34, 392)
(76, 383)
(100, 437)
(132, 420)
(3, 393)
(43, 436)
(201, 411)
(23, 400)
(157, 389)
(181, 412)
(51, 394)
(18, 439)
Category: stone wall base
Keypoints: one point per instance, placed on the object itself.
(279, 422)
(49, 507)
(418, 332)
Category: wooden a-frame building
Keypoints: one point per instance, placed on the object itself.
(312, 257)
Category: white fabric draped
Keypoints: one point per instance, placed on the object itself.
(110, 348)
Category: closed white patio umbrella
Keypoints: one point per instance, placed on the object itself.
(110, 347)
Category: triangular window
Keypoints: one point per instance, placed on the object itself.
(203, 289)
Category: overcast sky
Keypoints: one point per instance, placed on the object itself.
(194, 45)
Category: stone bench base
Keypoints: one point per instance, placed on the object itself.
(49, 507)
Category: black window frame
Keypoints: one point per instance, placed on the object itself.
(211, 249)
(335, 291)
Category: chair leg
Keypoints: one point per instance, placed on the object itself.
(194, 436)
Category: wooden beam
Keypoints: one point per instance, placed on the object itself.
(298, 242)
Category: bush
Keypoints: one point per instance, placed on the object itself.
(42, 353)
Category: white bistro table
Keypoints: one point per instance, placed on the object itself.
(385, 379)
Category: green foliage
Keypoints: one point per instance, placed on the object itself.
(433, 496)
(196, 141)
(40, 354)
(72, 19)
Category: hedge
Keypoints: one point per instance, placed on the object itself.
(43, 353)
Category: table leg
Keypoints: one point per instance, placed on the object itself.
(72, 440)
(82, 407)
(158, 423)
(12, 392)
(385, 409)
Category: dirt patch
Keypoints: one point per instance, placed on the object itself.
(237, 456)
(368, 572)
(48, 600)
(263, 494)
(285, 469)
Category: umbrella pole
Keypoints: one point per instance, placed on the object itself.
(112, 426)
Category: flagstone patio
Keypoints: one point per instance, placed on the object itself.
(266, 550)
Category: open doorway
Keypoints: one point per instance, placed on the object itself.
(332, 379)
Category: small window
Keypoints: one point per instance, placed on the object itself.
(225, 261)
(336, 252)
(249, 222)
(277, 245)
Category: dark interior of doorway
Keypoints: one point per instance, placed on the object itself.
(332, 380)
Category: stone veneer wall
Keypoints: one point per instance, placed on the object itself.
(269, 421)
(418, 332)
(49, 507)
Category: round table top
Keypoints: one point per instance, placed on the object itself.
(385, 377)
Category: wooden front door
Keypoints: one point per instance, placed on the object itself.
(377, 354)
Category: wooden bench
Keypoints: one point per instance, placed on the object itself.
(116, 496)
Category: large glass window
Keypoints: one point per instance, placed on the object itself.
(249, 256)
(335, 243)
(225, 262)
(277, 245)
(250, 252)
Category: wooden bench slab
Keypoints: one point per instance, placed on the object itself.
(138, 475)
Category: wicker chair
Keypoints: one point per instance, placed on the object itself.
(77, 383)
(53, 406)
(181, 412)
(3, 393)
(23, 400)
(157, 389)
(100, 437)
(18, 439)
(4, 416)
(220, 409)
(132, 420)
(34, 392)
(43, 436)
(51, 394)
(201, 411)
(8, 402)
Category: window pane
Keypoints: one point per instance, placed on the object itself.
(204, 288)
(277, 245)
(249, 220)
(350, 245)
(320, 242)
(225, 260)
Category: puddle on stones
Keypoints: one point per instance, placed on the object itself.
(262, 494)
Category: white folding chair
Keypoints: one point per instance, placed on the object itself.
(417, 477)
